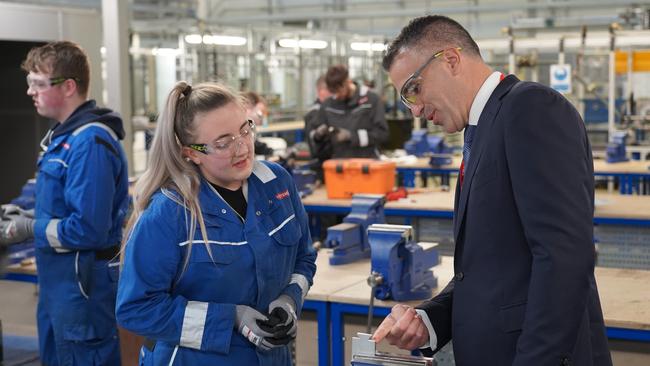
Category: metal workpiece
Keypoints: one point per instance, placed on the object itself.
(364, 353)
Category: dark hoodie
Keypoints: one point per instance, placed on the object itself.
(87, 112)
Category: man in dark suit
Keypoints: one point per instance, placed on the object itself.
(524, 291)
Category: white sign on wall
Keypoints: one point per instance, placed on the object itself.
(561, 78)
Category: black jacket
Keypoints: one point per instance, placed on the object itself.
(363, 116)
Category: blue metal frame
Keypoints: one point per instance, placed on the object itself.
(323, 320)
(402, 212)
(23, 277)
(628, 182)
(621, 221)
(408, 174)
(628, 334)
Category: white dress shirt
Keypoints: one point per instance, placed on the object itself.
(480, 100)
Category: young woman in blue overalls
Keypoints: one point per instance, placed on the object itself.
(218, 256)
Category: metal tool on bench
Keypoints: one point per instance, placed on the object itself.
(349, 239)
(364, 353)
(400, 267)
(616, 147)
(422, 144)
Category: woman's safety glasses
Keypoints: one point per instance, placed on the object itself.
(227, 146)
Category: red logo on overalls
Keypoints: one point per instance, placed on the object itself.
(363, 100)
(66, 146)
(282, 195)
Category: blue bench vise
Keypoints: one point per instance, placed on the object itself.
(400, 267)
(349, 239)
(616, 147)
(305, 180)
(422, 144)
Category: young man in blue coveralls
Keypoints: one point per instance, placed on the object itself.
(81, 203)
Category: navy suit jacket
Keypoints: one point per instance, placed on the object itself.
(524, 291)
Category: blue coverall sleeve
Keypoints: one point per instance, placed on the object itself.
(89, 192)
(305, 266)
(146, 303)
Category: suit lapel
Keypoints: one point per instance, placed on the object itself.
(481, 137)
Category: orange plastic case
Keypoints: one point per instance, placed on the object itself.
(345, 177)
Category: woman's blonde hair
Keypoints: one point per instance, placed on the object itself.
(168, 170)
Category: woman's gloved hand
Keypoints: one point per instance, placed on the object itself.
(284, 309)
(248, 321)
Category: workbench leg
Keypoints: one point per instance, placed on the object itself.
(322, 318)
(409, 179)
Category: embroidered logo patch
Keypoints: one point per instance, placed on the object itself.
(282, 195)
(66, 146)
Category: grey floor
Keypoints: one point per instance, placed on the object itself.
(17, 314)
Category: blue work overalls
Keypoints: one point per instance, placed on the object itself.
(81, 203)
(189, 311)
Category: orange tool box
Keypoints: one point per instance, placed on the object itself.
(345, 177)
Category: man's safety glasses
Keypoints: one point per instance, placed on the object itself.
(40, 85)
(411, 88)
(226, 146)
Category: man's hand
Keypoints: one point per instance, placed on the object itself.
(16, 229)
(342, 135)
(403, 328)
(320, 132)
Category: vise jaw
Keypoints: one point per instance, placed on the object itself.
(400, 267)
(350, 239)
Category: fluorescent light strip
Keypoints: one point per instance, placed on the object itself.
(303, 43)
(366, 46)
(215, 39)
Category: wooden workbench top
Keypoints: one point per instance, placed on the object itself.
(608, 205)
(626, 167)
(281, 127)
(330, 279)
(434, 200)
(624, 294)
(600, 166)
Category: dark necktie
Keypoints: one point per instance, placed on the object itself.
(467, 149)
(467, 146)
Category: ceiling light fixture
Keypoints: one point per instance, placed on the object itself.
(303, 43)
(367, 46)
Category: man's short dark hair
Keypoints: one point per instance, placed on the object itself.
(431, 29)
(336, 77)
(320, 83)
(61, 59)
